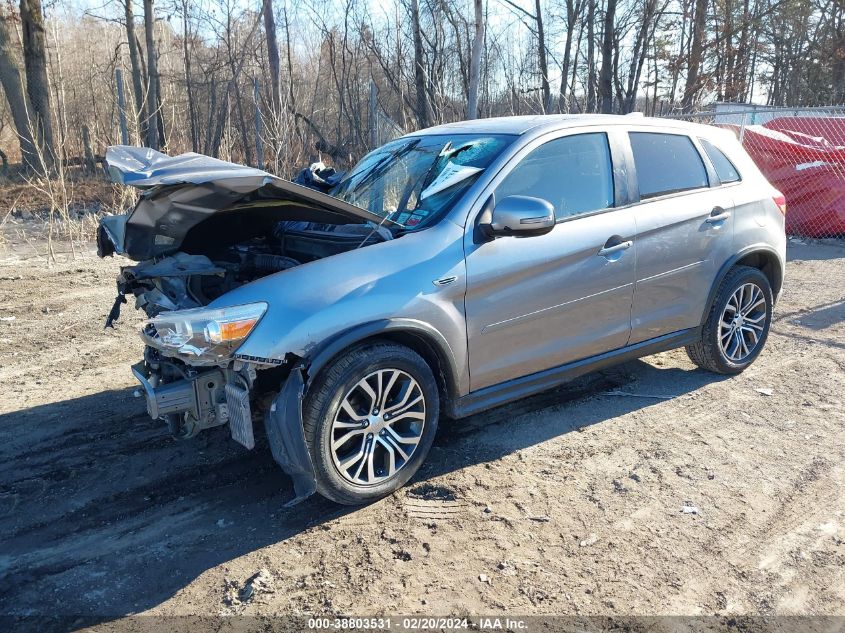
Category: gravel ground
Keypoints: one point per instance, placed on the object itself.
(566, 503)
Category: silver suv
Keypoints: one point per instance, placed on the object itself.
(452, 270)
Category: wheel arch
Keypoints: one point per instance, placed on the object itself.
(418, 336)
(768, 263)
(763, 258)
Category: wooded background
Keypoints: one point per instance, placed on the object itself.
(283, 82)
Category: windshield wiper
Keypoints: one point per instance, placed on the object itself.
(383, 163)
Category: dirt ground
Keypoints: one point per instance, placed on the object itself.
(566, 503)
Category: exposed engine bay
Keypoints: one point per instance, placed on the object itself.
(183, 280)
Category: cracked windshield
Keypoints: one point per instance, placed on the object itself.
(415, 181)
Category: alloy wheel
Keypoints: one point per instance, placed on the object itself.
(377, 427)
(742, 323)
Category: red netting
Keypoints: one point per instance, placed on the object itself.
(804, 157)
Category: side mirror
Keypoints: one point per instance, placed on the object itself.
(520, 216)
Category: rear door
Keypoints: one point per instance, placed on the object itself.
(684, 226)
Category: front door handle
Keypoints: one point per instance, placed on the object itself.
(616, 248)
(718, 214)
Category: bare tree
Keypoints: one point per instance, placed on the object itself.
(272, 52)
(429, 61)
(13, 87)
(152, 75)
(475, 60)
(542, 53)
(542, 57)
(695, 56)
(189, 88)
(37, 85)
(591, 55)
(135, 64)
(606, 73)
(573, 14)
(423, 105)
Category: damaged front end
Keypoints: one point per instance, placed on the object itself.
(180, 344)
(190, 401)
(202, 228)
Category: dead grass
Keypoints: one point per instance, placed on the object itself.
(66, 207)
(83, 191)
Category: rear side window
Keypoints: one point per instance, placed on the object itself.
(666, 163)
(724, 167)
(573, 173)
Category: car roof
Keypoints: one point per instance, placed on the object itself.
(519, 125)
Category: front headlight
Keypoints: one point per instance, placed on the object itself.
(210, 334)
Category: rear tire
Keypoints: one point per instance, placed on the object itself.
(369, 420)
(737, 324)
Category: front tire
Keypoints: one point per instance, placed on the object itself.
(737, 324)
(369, 420)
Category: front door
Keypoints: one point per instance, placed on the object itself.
(533, 303)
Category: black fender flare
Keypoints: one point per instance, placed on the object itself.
(286, 436)
(730, 263)
(438, 344)
(284, 426)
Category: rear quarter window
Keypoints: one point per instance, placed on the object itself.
(722, 164)
(666, 163)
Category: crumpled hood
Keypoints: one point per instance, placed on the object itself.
(143, 168)
(181, 192)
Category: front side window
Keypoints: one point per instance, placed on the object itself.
(722, 164)
(666, 163)
(573, 173)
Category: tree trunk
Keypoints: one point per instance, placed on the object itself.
(13, 88)
(606, 73)
(696, 50)
(37, 85)
(423, 108)
(638, 58)
(291, 94)
(241, 123)
(89, 163)
(475, 61)
(573, 9)
(152, 72)
(273, 59)
(162, 139)
(543, 58)
(189, 89)
(575, 73)
(137, 74)
(591, 56)
(676, 66)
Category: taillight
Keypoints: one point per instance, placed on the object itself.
(780, 201)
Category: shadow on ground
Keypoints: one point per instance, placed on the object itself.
(103, 514)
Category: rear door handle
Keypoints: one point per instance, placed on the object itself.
(718, 214)
(616, 248)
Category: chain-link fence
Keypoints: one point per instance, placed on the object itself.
(386, 129)
(802, 153)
